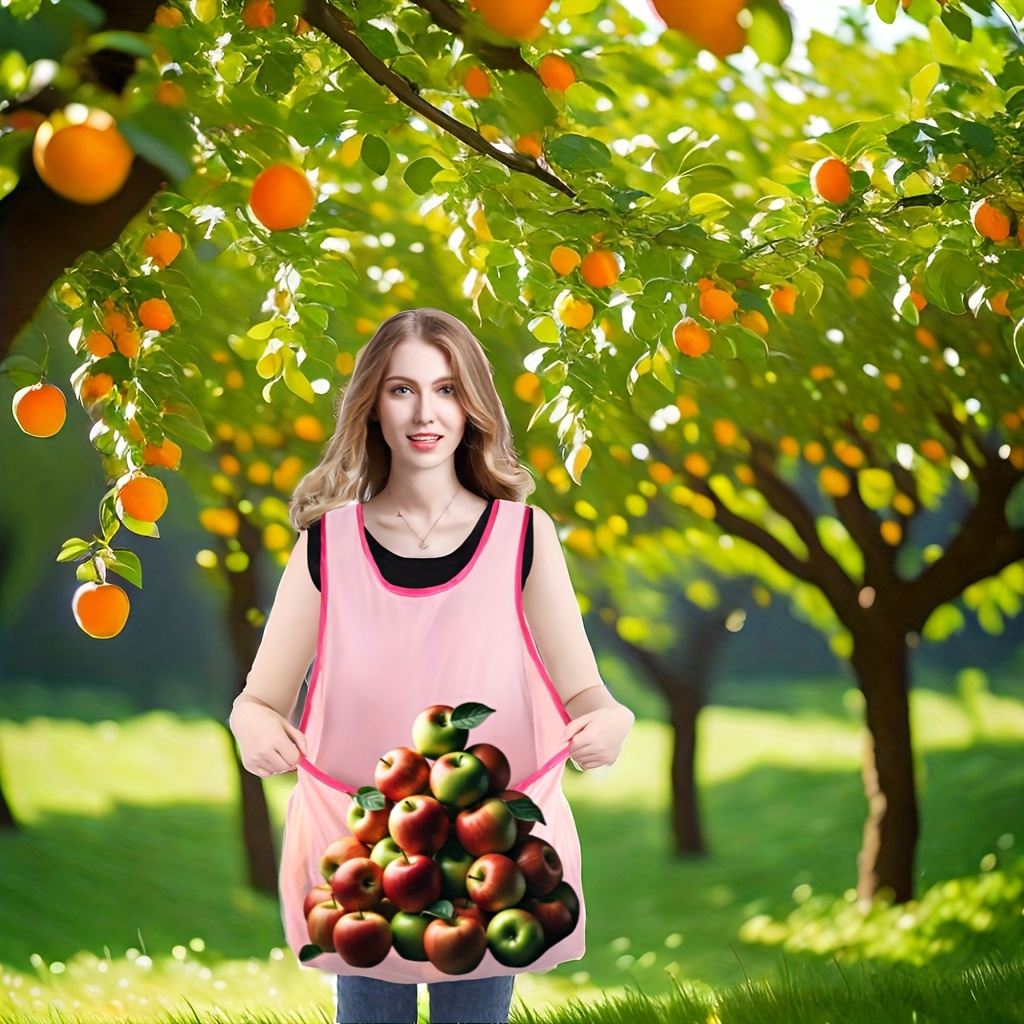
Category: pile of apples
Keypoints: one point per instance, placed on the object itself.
(441, 865)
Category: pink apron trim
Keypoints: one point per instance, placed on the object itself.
(543, 769)
(327, 780)
(424, 591)
(524, 626)
(315, 678)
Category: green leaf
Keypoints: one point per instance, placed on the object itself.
(946, 620)
(127, 42)
(309, 952)
(73, 548)
(704, 203)
(470, 715)
(127, 564)
(297, 382)
(523, 808)
(921, 86)
(578, 152)
(183, 421)
(771, 33)
(163, 136)
(442, 908)
(948, 275)
(420, 173)
(375, 154)
(23, 371)
(886, 10)
(958, 23)
(370, 798)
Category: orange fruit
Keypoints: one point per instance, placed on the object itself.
(932, 450)
(717, 304)
(575, 313)
(814, 452)
(529, 144)
(82, 162)
(696, 464)
(281, 197)
(789, 446)
(830, 180)
(258, 13)
(301, 25)
(96, 385)
(961, 172)
(783, 298)
(997, 303)
(564, 260)
(925, 338)
(308, 428)
(222, 521)
(725, 431)
(166, 454)
(870, 422)
(99, 344)
(834, 481)
(476, 83)
(754, 321)
(143, 498)
(556, 72)
(705, 283)
(162, 247)
(918, 300)
(989, 221)
(128, 344)
(168, 17)
(170, 94)
(100, 609)
(156, 315)
(690, 338)
(40, 409)
(115, 323)
(856, 286)
(712, 26)
(600, 268)
(520, 19)
(859, 267)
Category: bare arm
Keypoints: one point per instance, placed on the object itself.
(267, 741)
(599, 724)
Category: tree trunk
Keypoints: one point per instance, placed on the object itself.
(685, 704)
(256, 831)
(886, 859)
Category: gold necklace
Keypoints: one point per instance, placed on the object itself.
(423, 539)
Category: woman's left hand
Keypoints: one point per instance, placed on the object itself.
(597, 736)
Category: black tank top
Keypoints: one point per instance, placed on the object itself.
(421, 572)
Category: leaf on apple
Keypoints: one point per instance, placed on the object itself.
(525, 809)
(470, 715)
(309, 951)
(442, 908)
(370, 798)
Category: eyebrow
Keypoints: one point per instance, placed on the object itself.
(440, 380)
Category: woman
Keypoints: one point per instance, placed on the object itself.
(424, 543)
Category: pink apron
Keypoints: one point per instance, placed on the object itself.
(384, 654)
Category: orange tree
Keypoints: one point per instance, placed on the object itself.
(787, 314)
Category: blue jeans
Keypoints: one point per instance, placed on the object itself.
(469, 1001)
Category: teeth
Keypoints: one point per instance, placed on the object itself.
(427, 437)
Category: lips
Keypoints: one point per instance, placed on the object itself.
(424, 437)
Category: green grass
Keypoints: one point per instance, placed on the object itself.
(130, 858)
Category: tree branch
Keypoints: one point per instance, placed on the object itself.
(499, 58)
(339, 29)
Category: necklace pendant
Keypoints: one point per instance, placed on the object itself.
(423, 543)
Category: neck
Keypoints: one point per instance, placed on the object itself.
(421, 500)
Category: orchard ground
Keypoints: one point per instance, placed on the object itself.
(126, 883)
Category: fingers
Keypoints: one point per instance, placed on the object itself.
(297, 737)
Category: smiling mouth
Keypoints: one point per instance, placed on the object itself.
(424, 437)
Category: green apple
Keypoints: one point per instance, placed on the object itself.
(407, 934)
(433, 733)
(454, 862)
(515, 937)
(385, 851)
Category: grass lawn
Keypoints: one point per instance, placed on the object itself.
(124, 893)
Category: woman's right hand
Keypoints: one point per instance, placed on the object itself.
(267, 742)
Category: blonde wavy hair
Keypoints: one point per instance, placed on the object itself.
(357, 461)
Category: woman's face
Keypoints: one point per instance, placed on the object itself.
(418, 397)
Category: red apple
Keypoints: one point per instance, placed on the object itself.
(316, 896)
(320, 922)
(358, 884)
(558, 912)
(400, 773)
(498, 769)
(362, 938)
(495, 882)
(488, 828)
(412, 883)
(523, 828)
(458, 779)
(340, 851)
(369, 827)
(433, 732)
(456, 946)
(463, 906)
(419, 824)
(540, 864)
